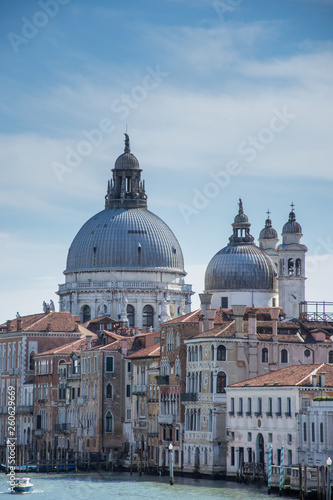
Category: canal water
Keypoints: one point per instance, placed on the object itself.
(104, 486)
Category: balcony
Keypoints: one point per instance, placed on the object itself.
(140, 424)
(74, 376)
(25, 409)
(64, 427)
(258, 413)
(248, 413)
(269, 414)
(288, 414)
(162, 379)
(39, 433)
(189, 396)
(139, 389)
(81, 400)
(153, 434)
(166, 419)
(278, 414)
(240, 413)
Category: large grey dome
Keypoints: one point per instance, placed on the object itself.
(240, 267)
(125, 238)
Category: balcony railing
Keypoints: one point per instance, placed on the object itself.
(139, 389)
(64, 427)
(81, 400)
(166, 419)
(25, 409)
(39, 432)
(189, 396)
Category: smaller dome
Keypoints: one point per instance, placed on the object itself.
(292, 226)
(268, 233)
(126, 160)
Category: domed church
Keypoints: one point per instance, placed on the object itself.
(269, 275)
(125, 261)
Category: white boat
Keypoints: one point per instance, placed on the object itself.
(23, 485)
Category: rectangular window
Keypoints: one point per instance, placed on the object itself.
(224, 302)
(279, 407)
(129, 368)
(232, 406)
(313, 433)
(95, 364)
(39, 422)
(232, 457)
(128, 414)
(270, 437)
(304, 432)
(109, 364)
(177, 435)
(249, 436)
(249, 406)
(321, 432)
(73, 392)
(278, 456)
(288, 412)
(128, 390)
(170, 434)
(232, 436)
(270, 407)
(289, 438)
(164, 433)
(240, 407)
(89, 363)
(290, 457)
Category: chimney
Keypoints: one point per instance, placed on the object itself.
(239, 312)
(89, 339)
(210, 317)
(76, 327)
(9, 325)
(201, 323)
(124, 347)
(274, 312)
(48, 326)
(252, 323)
(206, 300)
(47, 309)
(19, 324)
(314, 380)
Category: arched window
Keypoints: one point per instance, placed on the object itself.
(264, 355)
(298, 267)
(86, 314)
(330, 357)
(109, 391)
(281, 267)
(108, 422)
(130, 315)
(212, 353)
(200, 353)
(284, 356)
(221, 353)
(221, 382)
(290, 267)
(148, 317)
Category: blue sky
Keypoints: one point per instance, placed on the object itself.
(222, 99)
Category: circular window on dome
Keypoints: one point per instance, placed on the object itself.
(307, 353)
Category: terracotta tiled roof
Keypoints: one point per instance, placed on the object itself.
(148, 352)
(52, 321)
(295, 375)
(67, 349)
(192, 317)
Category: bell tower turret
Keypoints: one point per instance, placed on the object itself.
(291, 267)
